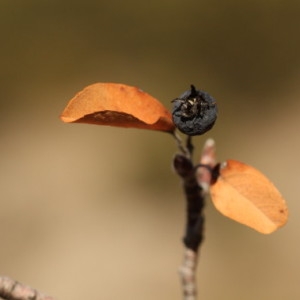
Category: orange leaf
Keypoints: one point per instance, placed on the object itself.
(245, 195)
(117, 105)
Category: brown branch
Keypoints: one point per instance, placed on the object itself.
(195, 195)
(187, 273)
(11, 289)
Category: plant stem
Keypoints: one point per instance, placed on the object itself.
(196, 182)
(187, 272)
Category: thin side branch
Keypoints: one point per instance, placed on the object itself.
(183, 149)
(208, 158)
(13, 290)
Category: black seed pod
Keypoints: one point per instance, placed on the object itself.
(194, 112)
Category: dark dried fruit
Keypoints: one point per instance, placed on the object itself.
(194, 112)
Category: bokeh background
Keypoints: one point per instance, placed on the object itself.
(97, 212)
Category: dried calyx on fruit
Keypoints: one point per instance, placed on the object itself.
(194, 112)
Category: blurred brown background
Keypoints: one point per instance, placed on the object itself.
(97, 212)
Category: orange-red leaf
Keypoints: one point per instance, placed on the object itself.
(245, 195)
(118, 105)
